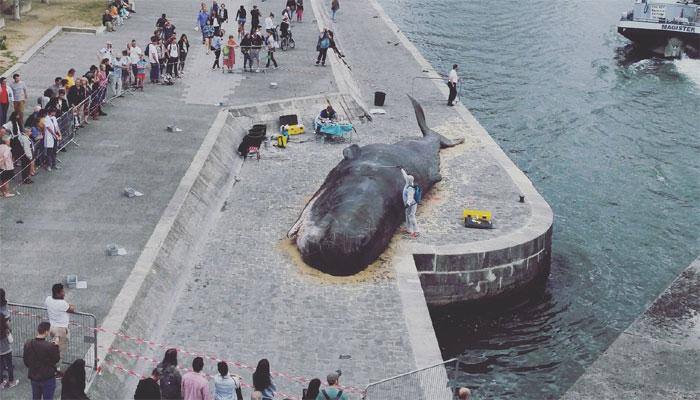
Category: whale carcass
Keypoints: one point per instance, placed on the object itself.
(351, 219)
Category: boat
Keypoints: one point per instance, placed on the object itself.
(668, 29)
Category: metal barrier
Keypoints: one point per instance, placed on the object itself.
(82, 333)
(430, 383)
(433, 98)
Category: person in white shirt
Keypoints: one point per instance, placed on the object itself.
(52, 134)
(452, 81)
(153, 59)
(135, 53)
(270, 24)
(106, 52)
(410, 204)
(58, 308)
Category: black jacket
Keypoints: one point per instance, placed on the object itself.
(76, 95)
(40, 357)
(147, 389)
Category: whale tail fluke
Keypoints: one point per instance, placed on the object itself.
(420, 117)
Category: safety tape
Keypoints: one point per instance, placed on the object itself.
(151, 343)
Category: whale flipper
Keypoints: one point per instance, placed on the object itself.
(420, 117)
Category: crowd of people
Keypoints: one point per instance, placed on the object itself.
(43, 354)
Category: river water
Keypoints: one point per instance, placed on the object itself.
(613, 145)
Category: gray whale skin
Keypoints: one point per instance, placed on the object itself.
(351, 219)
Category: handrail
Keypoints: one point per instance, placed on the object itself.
(412, 372)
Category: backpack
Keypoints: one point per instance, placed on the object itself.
(169, 384)
(337, 397)
(325, 43)
(16, 148)
(417, 194)
(148, 51)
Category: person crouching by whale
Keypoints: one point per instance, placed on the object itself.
(410, 204)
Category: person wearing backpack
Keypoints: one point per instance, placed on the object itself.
(411, 197)
(332, 392)
(170, 378)
(324, 42)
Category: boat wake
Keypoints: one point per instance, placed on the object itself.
(690, 68)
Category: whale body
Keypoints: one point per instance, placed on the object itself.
(352, 217)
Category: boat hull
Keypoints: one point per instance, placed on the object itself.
(655, 37)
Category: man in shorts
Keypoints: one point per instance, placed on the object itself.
(58, 308)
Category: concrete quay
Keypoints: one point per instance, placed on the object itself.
(657, 356)
(209, 268)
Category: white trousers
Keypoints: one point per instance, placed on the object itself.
(411, 223)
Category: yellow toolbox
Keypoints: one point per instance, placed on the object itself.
(294, 129)
(479, 219)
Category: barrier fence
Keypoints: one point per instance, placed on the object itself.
(68, 124)
(435, 382)
(82, 331)
(433, 97)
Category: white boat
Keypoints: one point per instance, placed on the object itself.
(669, 29)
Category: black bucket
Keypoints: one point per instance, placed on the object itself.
(379, 98)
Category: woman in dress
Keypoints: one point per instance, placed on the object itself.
(230, 54)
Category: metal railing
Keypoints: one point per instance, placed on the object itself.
(435, 382)
(82, 329)
(433, 97)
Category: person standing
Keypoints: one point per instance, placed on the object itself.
(410, 204)
(194, 384)
(135, 54)
(241, 15)
(7, 167)
(73, 382)
(208, 31)
(333, 391)
(452, 81)
(202, 18)
(223, 13)
(40, 357)
(230, 53)
(216, 47)
(6, 98)
(173, 57)
(312, 391)
(271, 44)
(262, 380)
(324, 42)
(6, 365)
(300, 10)
(19, 95)
(58, 308)
(246, 44)
(170, 379)
(28, 156)
(226, 387)
(335, 6)
(254, 19)
(256, 45)
(270, 24)
(183, 46)
(152, 52)
(52, 135)
(148, 388)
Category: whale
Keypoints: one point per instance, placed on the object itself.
(350, 220)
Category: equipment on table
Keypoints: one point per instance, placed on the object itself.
(477, 219)
(332, 128)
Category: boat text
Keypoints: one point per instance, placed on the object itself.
(679, 28)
